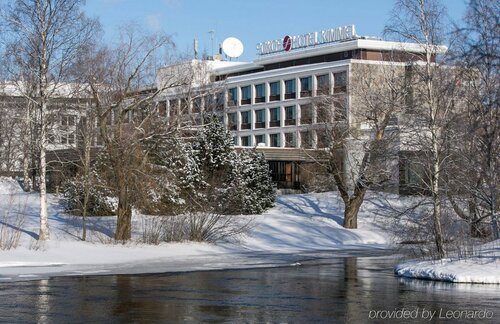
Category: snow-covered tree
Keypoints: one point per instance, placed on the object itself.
(81, 199)
(250, 189)
(232, 182)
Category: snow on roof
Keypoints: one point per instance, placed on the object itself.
(61, 90)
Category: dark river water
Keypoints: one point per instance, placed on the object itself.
(326, 290)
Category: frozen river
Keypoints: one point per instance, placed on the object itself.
(323, 288)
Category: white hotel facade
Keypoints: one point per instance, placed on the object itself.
(268, 104)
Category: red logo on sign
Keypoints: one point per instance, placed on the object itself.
(287, 43)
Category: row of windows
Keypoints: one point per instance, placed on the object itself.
(272, 91)
(306, 139)
(334, 110)
(62, 138)
(303, 87)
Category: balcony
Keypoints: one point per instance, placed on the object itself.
(245, 101)
(290, 122)
(260, 99)
(260, 125)
(291, 95)
(246, 126)
(274, 97)
(305, 93)
(274, 123)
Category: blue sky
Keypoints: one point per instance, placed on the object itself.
(250, 21)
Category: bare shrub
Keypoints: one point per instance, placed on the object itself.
(153, 229)
(211, 227)
(37, 245)
(195, 226)
(11, 224)
(175, 229)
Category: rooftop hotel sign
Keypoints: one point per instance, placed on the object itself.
(288, 43)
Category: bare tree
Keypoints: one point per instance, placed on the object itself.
(129, 119)
(360, 144)
(478, 175)
(44, 38)
(433, 97)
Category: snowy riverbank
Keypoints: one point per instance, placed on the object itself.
(297, 224)
(484, 267)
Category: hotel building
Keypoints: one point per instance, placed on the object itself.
(270, 103)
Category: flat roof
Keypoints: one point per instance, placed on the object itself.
(360, 43)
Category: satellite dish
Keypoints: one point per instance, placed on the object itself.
(232, 47)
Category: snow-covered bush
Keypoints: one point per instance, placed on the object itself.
(233, 183)
(204, 175)
(250, 189)
(99, 200)
(173, 176)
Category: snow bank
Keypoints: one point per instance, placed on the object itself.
(9, 186)
(483, 268)
(297, 224)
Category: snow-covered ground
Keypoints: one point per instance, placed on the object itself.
(484, 267)
(297, 224)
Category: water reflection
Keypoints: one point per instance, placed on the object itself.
(328, 290)
(43, 302)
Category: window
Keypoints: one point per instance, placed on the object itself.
(275, 91)
(340, 106)
(323, 82)
(305, 87)
(290, 89)
(219, 101)
(290, 116)
(275, 117)
(323, 139)
(207, 103)
(324, 112)
(245, 95)
(235, 140)
(68, 120)
(51, 138)
(246, 120)
(274, 140)
(71, 138)
(231, 121)
(162, 108)
(232, 97)
(260, 118)
(184, 106)
(290, 140)
(245, 141)
(260, 139)
(306, 114)
(174, 107)
(340, 82)
(260, 93)
(197, 105)
(306, 139)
